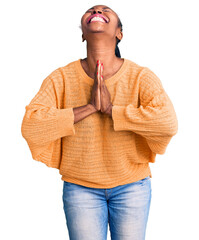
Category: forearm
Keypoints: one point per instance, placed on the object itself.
(83, 112)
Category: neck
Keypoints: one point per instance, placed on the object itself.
(103, 51)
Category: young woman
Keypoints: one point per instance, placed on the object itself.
(100, 120)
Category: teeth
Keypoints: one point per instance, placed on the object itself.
(97, 19)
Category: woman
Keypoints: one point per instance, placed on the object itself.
(100, 121)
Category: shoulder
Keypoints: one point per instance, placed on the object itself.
(145, 74)
(70, 67)
(133, 67)
(60, 74)
(133, 64)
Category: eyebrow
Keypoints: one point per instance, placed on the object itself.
(102, 8)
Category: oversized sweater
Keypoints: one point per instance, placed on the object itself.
(100, 151)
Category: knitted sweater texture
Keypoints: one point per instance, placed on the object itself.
(100, 151)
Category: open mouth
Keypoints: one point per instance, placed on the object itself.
(97, 18)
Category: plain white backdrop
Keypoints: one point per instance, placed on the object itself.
(41, 35)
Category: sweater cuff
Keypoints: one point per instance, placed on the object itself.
(118, 117)
(66, 122)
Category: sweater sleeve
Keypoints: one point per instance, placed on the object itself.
(155, 118)
(46, 121)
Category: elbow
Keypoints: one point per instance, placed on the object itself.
(173, 132)
(159, 144)
(173, 122)
(27, 131)
(169, 127)
(24, 129)
(25, 125)
(173, 128)
(158, 147)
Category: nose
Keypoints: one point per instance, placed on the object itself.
(96, 11)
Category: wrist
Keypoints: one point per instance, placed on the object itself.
(109, 110)
(92, 108)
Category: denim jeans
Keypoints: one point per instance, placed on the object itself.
(125, 208)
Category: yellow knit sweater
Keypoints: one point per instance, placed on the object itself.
(100, 151)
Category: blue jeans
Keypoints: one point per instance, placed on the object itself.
(89, 210)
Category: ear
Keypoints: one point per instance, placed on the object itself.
(83, 38)
(119, 35)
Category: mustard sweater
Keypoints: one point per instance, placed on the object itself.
(100, 151)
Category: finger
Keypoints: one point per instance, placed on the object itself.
(97, 68)
(102, 78)
(99, 73)
(102, 70)
(101, 84)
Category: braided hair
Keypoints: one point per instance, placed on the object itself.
(117, 51)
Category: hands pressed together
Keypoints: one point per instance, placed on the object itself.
(100, 96)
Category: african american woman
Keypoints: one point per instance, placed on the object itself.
(101, 120)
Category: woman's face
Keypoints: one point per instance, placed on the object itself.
(109, 24)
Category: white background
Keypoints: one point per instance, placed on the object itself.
(41, 35)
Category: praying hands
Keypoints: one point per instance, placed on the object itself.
(100, 96)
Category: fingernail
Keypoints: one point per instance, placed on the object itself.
(97, 73)
(97, 61)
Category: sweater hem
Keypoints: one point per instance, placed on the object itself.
(115, 184)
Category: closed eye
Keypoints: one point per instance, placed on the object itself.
(103, 10)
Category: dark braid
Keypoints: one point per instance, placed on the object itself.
(117, 51)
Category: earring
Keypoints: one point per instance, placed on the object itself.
(82, 38)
